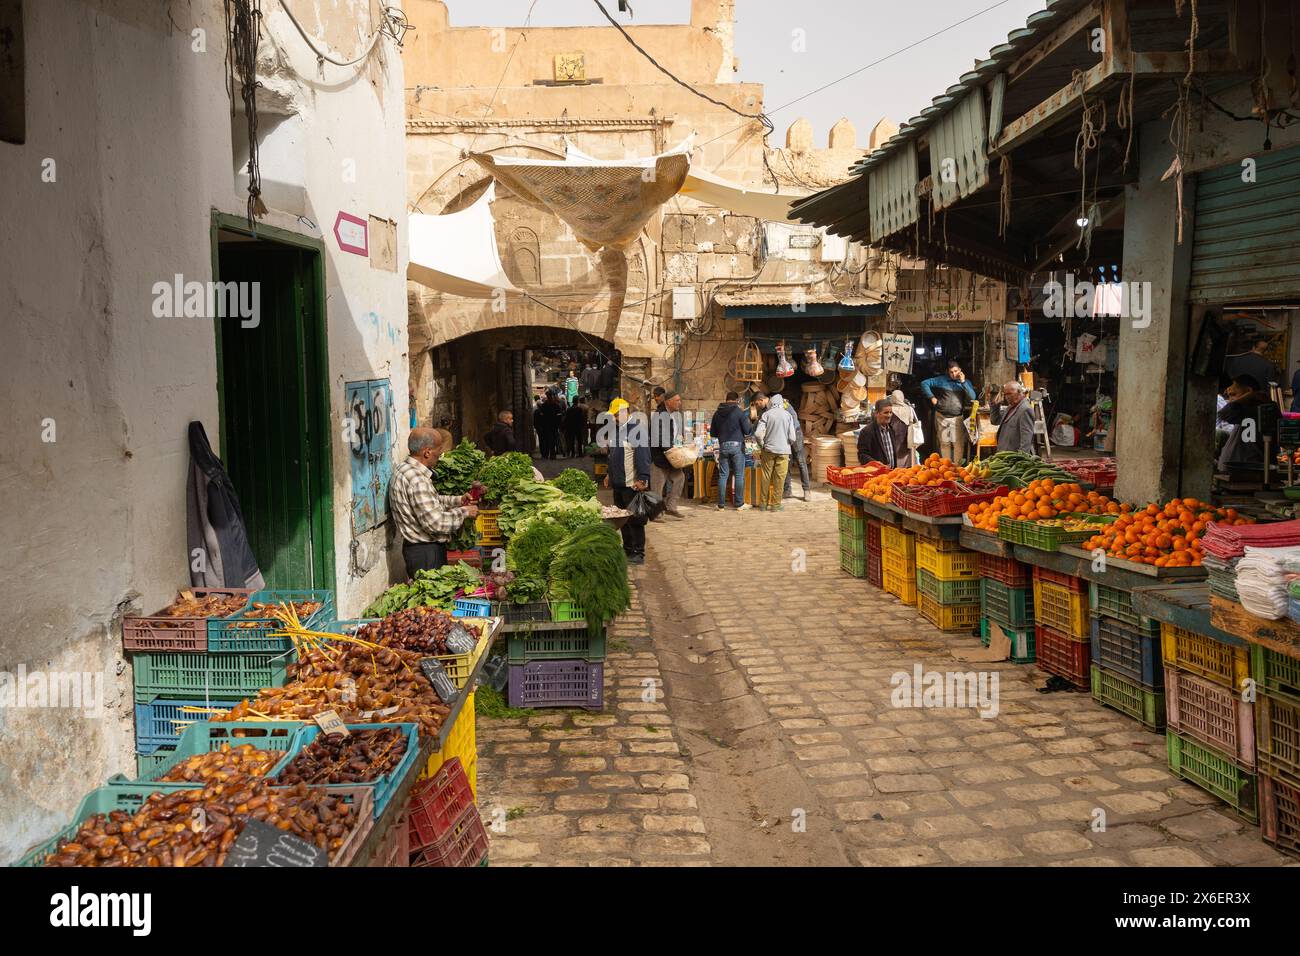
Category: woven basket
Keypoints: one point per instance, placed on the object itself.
(682, 456)
(749, 364)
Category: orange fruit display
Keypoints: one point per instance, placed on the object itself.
(932, 472)
(1042, 500)
(1166, 536)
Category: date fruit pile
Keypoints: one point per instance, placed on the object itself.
(227, 763)
(360, 757)
(423, 629)
(265, 611)
(212, 605)
(197, 827)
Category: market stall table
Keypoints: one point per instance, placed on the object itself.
(1182, 604)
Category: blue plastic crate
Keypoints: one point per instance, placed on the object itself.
(1127, 651)
(226, 636)
(471, 607)
(160, 723)
(384, 786)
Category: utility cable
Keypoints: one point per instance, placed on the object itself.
(392, 23)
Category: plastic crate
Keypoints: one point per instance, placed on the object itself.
(461, 742)
(1067, 581)
(1275, 674)
(1145, 706)
(531, 613)
(1008, 571)
(853, 511)
(855, 564)
(471, 607)
(1277, 738)
(562, 611)
(1212, 714)
(850, 524)
(128, 798)
(1204, 656)
(1045, 537)
(897, 564)
(396, 847)
(215, 676)
(902, 586)
(873, 537)
(489, 532)
(146, 765)
(574, 642)
(464, 844)
(1022, 640)
(558, 684)
(227, 637)
(1125, 650)
(473, 558)
(947, 592)
(1214, 773)
(1117, 603)
(948, 617)
(204, 737)
(1063, 656)
(1011, 607)
(854, 544)
(437, 803)
(875, 569)
(160, 723)
(1061, 609)
(384, 786)
(897, 541)
(460, 666)
(947, 565)
(1279, 813)
(156, 632)
(945, 499)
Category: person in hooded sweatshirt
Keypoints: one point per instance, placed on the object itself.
(775, 434)
(730, 426)
(798, 454)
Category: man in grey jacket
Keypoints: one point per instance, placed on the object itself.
(1015, 420)
(776, 437)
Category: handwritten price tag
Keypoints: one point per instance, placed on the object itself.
(330, 723)
(443, 686)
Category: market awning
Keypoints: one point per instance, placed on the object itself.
(457, 252)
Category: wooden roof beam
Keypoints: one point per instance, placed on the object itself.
(1053, 109)
(1054, 41)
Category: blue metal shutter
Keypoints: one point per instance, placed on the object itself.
(1246, 235)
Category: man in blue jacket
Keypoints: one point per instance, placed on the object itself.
(629, 473)
(731, 426)
(950, 396)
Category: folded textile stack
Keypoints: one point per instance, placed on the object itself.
(1230, 541)
(1263, 579)
(1222, 576)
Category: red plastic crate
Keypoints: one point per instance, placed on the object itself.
(1061, 655)
(835, 476)
(157, 632)
(396, 848)
(437, 803)
(1008, 571)
(473, 558)
(873, 537)
(1068, 581)
(1279, 813)
(875, 569)
(465, 844)
(1212, 714)
(948, 498)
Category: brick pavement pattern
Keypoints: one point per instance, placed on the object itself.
(775, 739)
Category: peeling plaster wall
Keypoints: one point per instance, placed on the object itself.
(137, 124)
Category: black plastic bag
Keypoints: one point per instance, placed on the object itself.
(646, 506)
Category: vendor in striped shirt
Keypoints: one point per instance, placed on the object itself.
(425, 519)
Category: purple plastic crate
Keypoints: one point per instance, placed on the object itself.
(558, 684)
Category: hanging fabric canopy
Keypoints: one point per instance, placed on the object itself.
(457, 252)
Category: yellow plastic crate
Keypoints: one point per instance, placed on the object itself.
(899, 542)
(1062, 610)
(460, 666)
(489, 532)
(1202, 655)
(947, 565)
(949, 617)
(462, 742)
(852, 511)
(891, 562)
(599, 469)
(902, 586)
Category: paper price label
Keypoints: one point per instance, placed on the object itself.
(330, 723)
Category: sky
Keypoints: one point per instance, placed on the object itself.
(837, 37)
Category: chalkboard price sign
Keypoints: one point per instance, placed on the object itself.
(260, 844)
(447, 691)
(460, 641)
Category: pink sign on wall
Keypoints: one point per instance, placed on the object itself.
(350, 231)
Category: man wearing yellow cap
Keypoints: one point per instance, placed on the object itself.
(629, 473)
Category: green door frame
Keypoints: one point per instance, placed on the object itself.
(323, 506)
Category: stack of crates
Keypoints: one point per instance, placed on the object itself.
(1212, 732)
(947, 584)
(1127, 672)
(898, 563)
(853, 540)
(1007, 600)
(560, 663)
(875, 563)
(1277, 725)
(188, 670)
(1062, 638)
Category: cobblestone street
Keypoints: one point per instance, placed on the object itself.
(772, 739)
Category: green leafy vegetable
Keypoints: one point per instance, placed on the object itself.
(575, 484)
(525, 497)
(526, 589)
(532, 549)
(465, 539)
(434, 588)
(500, 470)
(456, 470)
(591, 569)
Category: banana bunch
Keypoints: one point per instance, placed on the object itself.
(1015, 469)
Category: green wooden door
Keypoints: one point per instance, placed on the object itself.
(274, 422)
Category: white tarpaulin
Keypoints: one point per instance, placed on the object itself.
(457, 252)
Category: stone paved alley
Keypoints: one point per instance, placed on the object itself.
(774, 709)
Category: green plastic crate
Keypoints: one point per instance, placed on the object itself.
(1022, 641)
(146, 764)
(206, 676)
(226, 638)
(1275, 674)
(853, 525)
(855, 564)
(1147, 707)
(1214, 773)
(567, 611)
(1046, 537)
(855, 544)
(1011, 607)
(128, 797)
(947, 592)
(204, 736)
(555, 642)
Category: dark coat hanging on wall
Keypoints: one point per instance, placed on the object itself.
(219, 553)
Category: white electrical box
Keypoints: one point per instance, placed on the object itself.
(684, 305)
